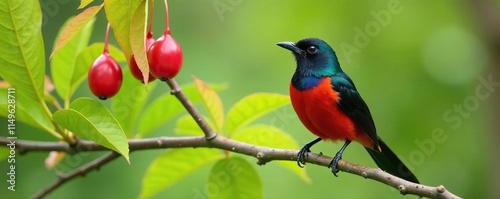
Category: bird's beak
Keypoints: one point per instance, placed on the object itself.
(290, 46)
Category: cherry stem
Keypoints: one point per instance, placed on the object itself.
(151, 16)
(106, 40)
(167, 27)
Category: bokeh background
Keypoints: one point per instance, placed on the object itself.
(418, 65)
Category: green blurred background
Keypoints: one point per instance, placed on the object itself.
(415, 66)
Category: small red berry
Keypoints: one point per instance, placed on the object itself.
(165, 57)
(105, 77)
(136, 72)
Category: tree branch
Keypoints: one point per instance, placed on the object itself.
(63, 178)
(24, 146)
(211, 140)
(175, 90)
(263, 155)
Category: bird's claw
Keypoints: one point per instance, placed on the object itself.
(334, 163)
(301, 156)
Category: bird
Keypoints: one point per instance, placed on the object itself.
(328, 105)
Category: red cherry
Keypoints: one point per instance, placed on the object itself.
(105, 77)
(165, 57)
(136, 72)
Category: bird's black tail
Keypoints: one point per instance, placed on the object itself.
(389, 162)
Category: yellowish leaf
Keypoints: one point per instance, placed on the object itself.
(4, 84)
(53, 159)
(119, 14)
(138, 39)
(84, 3)
(212, 103)
(75, 26)
(48, 85)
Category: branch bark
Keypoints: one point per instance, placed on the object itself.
(63, 178)
(263, 155)
(212, 140)
(175, 90)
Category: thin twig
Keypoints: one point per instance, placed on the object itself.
(176, 90)
(57, 105)
(63, 178)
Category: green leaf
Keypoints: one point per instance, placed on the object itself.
(252, 107)
(236, 179)
(89, 119)
(174, 165)
(84, 3)
(270, 136)
(27, 111)
(212, 103)
(119, 14)
(85, 60)
(22, 55)
(75, 26)
(49, 98)
(163, 109)
(187, 126)
(63, 61)
(4, 153)
(166, 107)
(128, 105)
(138, 39)
(192, 92)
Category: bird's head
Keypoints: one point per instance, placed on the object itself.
(314, 57)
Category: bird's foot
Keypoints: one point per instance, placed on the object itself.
(301, 156)
(334, 163)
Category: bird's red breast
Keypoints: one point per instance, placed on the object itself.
(318, 110)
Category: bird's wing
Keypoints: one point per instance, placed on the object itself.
(354, 106)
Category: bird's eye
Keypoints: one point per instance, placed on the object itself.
(312, 49)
